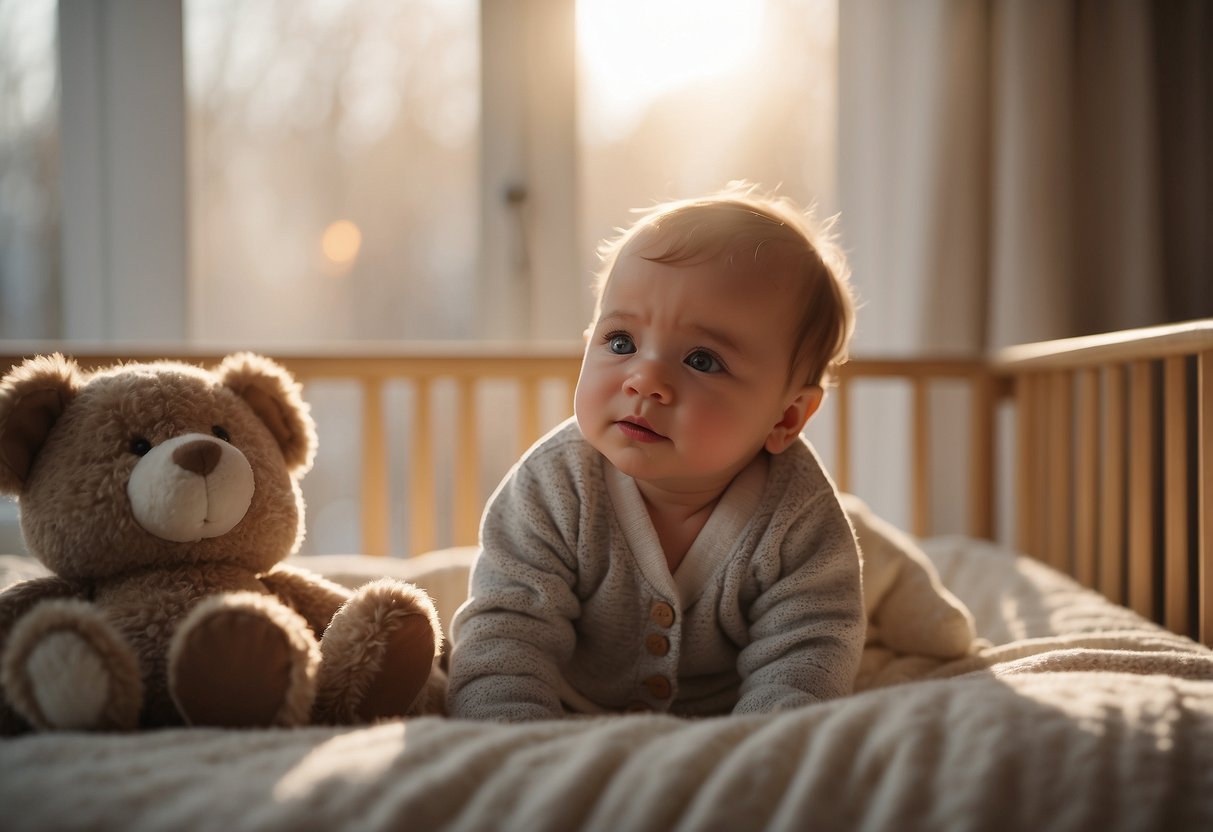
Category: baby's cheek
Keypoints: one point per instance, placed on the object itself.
(739, 425)
(718, 423)
(588, 401)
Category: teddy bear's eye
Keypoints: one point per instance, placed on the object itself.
(140, 446)
(221, 432)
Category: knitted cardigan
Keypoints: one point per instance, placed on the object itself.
(572, 607)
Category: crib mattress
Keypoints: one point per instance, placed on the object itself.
(1075, 714)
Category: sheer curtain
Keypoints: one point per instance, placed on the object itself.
(1014, 170)
(1018, 170)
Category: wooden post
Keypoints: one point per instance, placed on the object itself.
(1204, 545)
(374, 470)
(1141, 488)
(467, 470)
(920, 488)
(1112, 487)
(1086, 476)
(422, 526)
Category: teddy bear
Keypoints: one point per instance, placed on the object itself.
(163, 498)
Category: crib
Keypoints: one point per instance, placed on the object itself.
(1112, 438)
(1086, 559)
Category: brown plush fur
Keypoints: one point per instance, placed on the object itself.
(193, 613)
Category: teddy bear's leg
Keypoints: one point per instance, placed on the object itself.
(243, 659)
(377, 654)
(66, 667)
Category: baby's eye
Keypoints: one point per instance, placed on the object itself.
(703, 362)
(621, 344)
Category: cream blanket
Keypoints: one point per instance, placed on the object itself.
(1069, 713)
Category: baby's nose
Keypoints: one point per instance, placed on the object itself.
(650, 381)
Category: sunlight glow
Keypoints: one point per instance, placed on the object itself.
(632, 52)
(341, 242)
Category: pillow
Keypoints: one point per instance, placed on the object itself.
(914, 623)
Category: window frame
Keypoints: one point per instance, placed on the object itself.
(122, 140)
(123, 127)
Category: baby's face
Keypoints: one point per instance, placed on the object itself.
(685, 374)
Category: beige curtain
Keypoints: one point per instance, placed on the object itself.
(1014, 170)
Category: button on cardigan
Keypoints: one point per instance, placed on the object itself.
(571, 585)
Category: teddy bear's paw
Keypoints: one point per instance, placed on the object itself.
(243, 660)
(66, 668)
(377, 654)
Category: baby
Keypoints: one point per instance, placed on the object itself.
(676, 545)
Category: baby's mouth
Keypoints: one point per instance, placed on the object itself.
(639, 429)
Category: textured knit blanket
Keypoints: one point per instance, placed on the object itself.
(1068, 712)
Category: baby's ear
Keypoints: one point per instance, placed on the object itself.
(277, 399)
(795, 417)
(32, 398)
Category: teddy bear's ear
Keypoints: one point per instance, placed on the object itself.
(32, 398)
(277, 399)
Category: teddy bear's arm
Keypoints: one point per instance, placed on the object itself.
(312, 596)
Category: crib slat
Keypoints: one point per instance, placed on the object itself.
(528, 417)
(1204, 545)
(981, 464)
(1060, 435)
(842, 467)
(374, 497)
(1047, 445)
(1025, 464)
(571, 387)
(1175, 500)
(1141, 488)
(1086, 476)
(1111, 486)
(422, 528)
(467, 473)
(920, 491)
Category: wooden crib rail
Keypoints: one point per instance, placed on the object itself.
(1115, 465)
(527, 366)
(425, 367)
(1114, 439)
(920, 374)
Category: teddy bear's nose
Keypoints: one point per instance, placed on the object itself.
(200, 457)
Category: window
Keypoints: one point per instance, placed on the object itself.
(333, 168)
(257, 173)
(677, 98)
(370, 169)
(29, 170)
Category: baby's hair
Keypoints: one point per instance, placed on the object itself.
(768, 230)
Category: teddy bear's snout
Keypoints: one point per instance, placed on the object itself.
(199, 457)
(190, 487)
